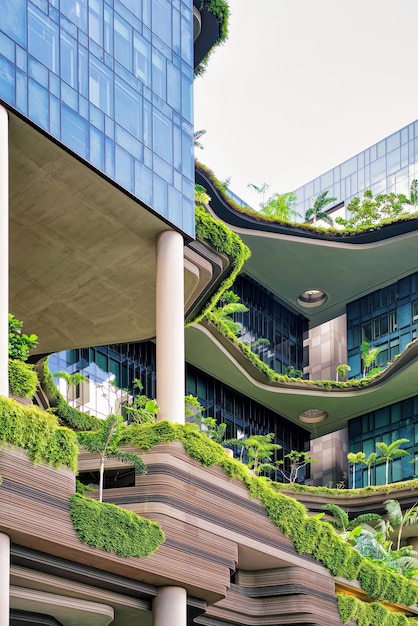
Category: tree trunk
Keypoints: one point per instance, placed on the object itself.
(102, 462)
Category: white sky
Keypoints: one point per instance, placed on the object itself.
(302, 85)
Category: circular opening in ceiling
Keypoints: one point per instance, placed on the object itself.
(313, 416)
(312, 298)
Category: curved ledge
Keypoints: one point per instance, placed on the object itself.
(226, 212)
(208, 349)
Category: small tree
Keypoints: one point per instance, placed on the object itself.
(198, 134)
(201, 196)
(281, 206)
(342, 371)
(260, 450)
(297, 460)
(390, 452)
(348, 529)
(105, 442)
(354, 458)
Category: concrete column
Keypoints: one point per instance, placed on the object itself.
(170, 327)
(4, 580)
(4, 253)
(170, 607)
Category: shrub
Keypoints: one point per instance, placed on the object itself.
(110, 528)
(23, 380)
(38, 433)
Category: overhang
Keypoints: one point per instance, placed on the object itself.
(290, 260)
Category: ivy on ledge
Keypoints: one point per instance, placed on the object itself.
(369, 614)
(113, 529)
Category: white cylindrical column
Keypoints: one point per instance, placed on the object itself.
(170, 327)
(4, 580)
(169, 607)
(4, 252)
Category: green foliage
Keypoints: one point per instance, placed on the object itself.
(141, 409)
(113, 529)
(201, 196)
(230, 305)
(390, 452)
(369, 211)
(220, 10)
(67, 415)
(310, 535)
(20, 344)
(71, 379)
(38, 433)
(369, 614)
(368, 357)
(342, 370)
(297, 461)
(23, 380)
(281, 206)
(225, 241)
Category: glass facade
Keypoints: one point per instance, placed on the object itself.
(267, 319)
(111, 80)
(111, 371)
(386, 318)
(390, 165)
(397, 421)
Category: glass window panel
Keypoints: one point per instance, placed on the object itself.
(96, 21)
(143, 182)
(74, 131)
(162, 136)
(187, 40)
(43, 38)
(38, 104)
(97, 150)
(13, 20)
(161, 20)
(123, 43)
(159, 74)
(69, 60)
(128, 108)
(378, 169)
(173, 86)
(7, 80)
(393, 161)
(124, 166)
(142, 59)
(101, 86)
(160, 194)
(21, 92)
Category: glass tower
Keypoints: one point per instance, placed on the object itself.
(112, 81)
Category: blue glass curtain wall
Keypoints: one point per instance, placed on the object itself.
(390, 165)
(268, 319)
(397, 421)
(112, 80)
(387, 318)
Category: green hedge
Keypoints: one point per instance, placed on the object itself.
(110, 528)
(23, 380)
(220, 10)
(310, 536)
(225, 241)
(38, 433)
(369, 614)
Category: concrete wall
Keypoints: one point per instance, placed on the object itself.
(331, 451)
(327, 345)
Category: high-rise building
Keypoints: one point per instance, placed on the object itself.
(98, 257)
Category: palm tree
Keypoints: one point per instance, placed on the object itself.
(390, 452)
(231, 305)
(369, 461)
(341, 522)
(398, 519)
(260, 190)
(105, 443)
(354, 458)
(368, 356)
(281, 206)
(198, 134)
(317, 212)
(342, 371)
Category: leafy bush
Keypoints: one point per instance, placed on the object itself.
(20, 344)
(220, 9)
(113, 529)
(38, 433)
(365, 614)
(23, 380)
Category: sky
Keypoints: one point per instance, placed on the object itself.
(302, 85)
